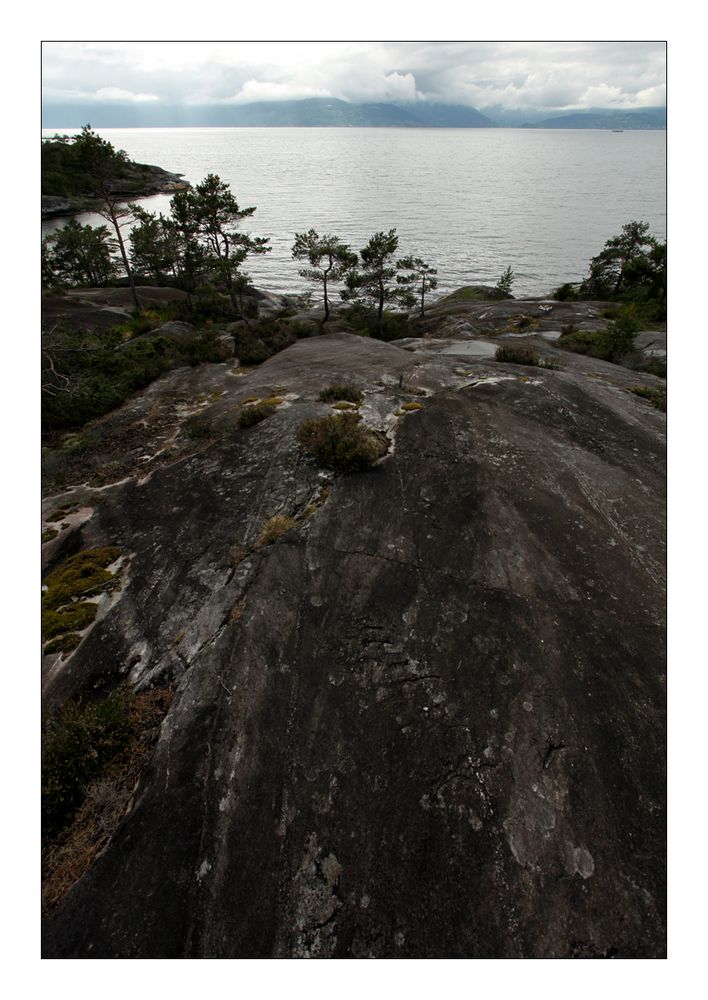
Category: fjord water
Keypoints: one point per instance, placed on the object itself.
(469, 201)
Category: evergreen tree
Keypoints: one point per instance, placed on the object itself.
(374, 281)
(421, 278)
(329, 259)
(77, 255)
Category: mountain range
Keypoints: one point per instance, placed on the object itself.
(331, 112)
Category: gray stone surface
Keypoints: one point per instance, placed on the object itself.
(428, 721)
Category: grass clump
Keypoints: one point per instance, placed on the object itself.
(656, 397)
(343, 392)
(341, 442)
(274, 528)
(254, 414)
(517, 354)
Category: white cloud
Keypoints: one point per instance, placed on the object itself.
(118, 94)
(481, 74)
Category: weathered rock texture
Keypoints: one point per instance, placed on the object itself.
(428, 720)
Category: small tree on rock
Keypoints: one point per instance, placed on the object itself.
(374, 282)
(104, 164)
(330, 260)
(420, 279)
(506, 280)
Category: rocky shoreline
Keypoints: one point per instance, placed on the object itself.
(141, 182)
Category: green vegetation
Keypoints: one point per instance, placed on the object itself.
(83, 575)
(86, 374)
(657, 397)
(615, 343)
(330, 260)
(77, 744)
(410, 407)
(274, 528)
(373, 282)
(341, 391)
(630, 269)
(517, 354)
(341, 442)
(420, 279)
(254, 414)
(77, 255)
(504, 285)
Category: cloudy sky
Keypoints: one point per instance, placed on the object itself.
(514, 75)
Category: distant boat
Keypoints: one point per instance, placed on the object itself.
(618, 130)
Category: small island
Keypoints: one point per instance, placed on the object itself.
(67, 187)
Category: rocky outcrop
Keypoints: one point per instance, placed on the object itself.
(139, 181)
(425, 721)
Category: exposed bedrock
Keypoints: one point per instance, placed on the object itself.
(426, 721)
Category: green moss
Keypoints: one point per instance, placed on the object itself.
(63, 643)
(49, 534)
(273, 401)
(61, 512)
(408, 407)
(80, 576)
(343, 405)
(72, 618)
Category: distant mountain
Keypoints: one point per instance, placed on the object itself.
(322, 112)
(310, 112)
(648, 118)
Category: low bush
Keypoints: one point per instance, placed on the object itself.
(344, 391)
(341, 442)
(254, 414)
(516, 354)
(76, 745)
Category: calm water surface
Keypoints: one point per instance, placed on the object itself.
(469, 201)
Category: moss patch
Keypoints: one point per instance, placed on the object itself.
(63, 644)
(409, 407)
(82, 575)
(49, 534)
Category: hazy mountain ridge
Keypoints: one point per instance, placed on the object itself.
(323, 112)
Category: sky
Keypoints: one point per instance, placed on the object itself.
(552, 76)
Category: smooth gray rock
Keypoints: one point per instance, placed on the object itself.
(428, 721)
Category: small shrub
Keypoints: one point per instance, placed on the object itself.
(345, 392)
(516, 354)
(254, 414)
(341, 442)
(199, 428)
(76, 745)
(567, 292)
